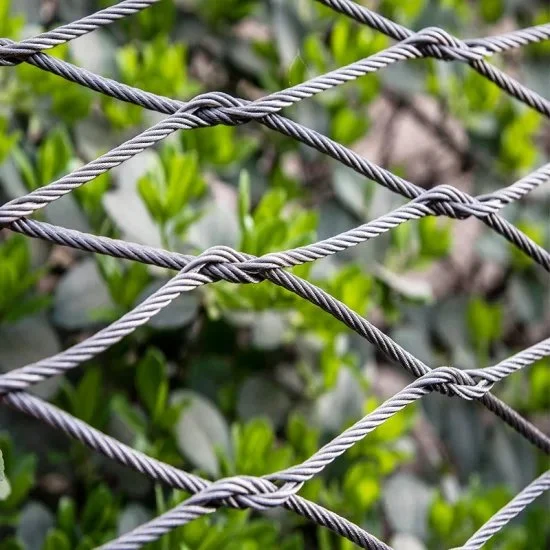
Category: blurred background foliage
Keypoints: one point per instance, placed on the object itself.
(250, 379)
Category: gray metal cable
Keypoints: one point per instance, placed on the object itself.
(169, 475)
(223, 263)
(249, 488)
(508, 512)
(16, 52)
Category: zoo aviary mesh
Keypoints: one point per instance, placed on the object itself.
(278, 489)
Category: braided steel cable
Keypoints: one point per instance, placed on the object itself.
(223, 263)
(18, 51)
(509, 512)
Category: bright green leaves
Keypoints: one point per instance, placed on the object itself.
(125, 281)
(350, 42)
(539, 386)
(518, 152)
(227, 12)
(90, 196)
(7, 140)
(435, 237)
(152, 384)
(69, 101)
(10, 26)
(5, 488)
(484, 322)
(17, 280)
(237, 530)
(362, 486)
(17, 478)
(170, 188)
(491, 10)
(275, 224)
(536, 232)
(140, 67)
(53, 156)
(348, 125)
(85, 400)
(404, 12)
(452, 524)
(255, 449)
(86, 526)
(219, 146)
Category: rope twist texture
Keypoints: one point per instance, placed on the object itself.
(222, 263)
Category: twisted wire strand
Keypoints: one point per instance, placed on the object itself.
(18, 51)
(294, 477)
(169, 475)
(534, 490)
(489, 45)
(223, 263)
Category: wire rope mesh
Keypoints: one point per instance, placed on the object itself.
(278, 489)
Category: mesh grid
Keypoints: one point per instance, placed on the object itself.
(223, 263)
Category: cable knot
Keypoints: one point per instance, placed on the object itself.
(442, 45)
(457, 382)
(8, 54)
(219, 261)
(452, 202)
(246, 492)
(218, 108)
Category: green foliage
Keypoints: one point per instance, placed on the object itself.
(126, 282)
(85, 526)
(219, 146)
(85, 400)
(139, 66)
(276, 223)
(491, 10)
(255, 450)
(435, 237)
(236, 530)
(170, 188)
(228, 12)
(18, 280)
(157, 384)
(347, 126)
(10, 26)
(7, 140)
(67, 100)
(53, 156)
(517, 150)
(19, 471)
(484, 324)
(535, 232)
(452, 523)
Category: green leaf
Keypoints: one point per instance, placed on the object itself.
(152, 382)
(152, 197)
(66, 515)
(361, 487)
(97, 511)
(53, 157)
(87, 398)
(57, 540)
(491, 10)
(435, 239)
(348, 125)
(245, 220)
(441, 517)
(484, 323)
(5, 488)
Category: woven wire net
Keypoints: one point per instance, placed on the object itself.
(220, 263)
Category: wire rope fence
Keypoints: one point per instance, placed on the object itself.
(221, 263)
